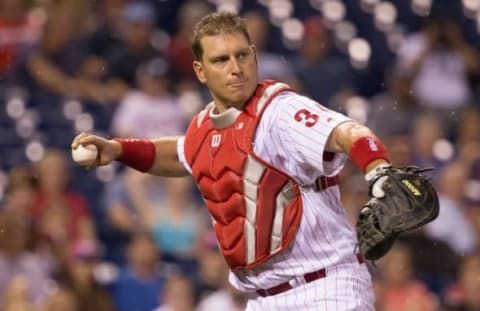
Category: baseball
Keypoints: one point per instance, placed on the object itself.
(85, 155)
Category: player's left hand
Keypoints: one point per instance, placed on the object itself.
(401, 200)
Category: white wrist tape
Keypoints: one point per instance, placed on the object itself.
(377, 187)
(370, 175)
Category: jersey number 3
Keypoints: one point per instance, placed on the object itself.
(306, 117)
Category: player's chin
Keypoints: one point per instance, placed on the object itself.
(240, 100)
(238, 95)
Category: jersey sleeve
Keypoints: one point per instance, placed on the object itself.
(295, 131)
(181, 154)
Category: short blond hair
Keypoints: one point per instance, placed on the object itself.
(216, 23)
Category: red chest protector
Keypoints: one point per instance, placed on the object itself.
(256, 209)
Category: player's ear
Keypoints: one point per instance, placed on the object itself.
(198, 68)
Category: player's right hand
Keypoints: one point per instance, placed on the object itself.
(108, 150)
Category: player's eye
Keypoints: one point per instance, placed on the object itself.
(242, 55)
(220, 60)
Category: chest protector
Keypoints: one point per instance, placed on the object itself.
(256, 209)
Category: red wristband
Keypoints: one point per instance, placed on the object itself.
(137, 153)
(367, 149)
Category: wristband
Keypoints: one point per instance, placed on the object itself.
(137, 153)
(367, 149)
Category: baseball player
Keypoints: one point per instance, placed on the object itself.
(266, 161)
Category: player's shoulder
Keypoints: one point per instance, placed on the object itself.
(289, 104)
(202, 116)
(282, 106)
(294, 96)
(288, 100)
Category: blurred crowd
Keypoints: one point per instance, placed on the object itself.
(116, 239)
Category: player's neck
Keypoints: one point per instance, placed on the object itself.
(221, 106)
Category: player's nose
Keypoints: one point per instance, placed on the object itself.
(235, 67)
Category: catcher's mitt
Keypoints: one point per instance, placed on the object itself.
(402, 200)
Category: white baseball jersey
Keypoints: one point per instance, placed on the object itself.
(291, 136)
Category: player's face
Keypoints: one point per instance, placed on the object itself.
(229, 68)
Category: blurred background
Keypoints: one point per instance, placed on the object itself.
(114, 239)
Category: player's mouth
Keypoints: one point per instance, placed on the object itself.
(237, 84)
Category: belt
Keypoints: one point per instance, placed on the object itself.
(323, 182)
(308, 277)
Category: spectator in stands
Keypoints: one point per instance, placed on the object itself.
(147, 111)
(401, 291)
(17, 29)
(463, 296)
(437, 274)
(474, 216)
(322, 74)
(139, 22)
(177, 225)
(80, 278)
(17, 295)
(354, 194)
(225, 298)
(400, 147)
(61, 299)
(441, 64)
(270, 65)
(19, 258)
(106, 36)
(178, 295)
(60, 214)
(379, 292)
(452, 225)
(476, 170)
(121, 213)
(124, 216)
(212, 271)
(428, 130)
(191, 94)
(62, 64)
(468, 135)
(390, 112)
(150, 109)
(179, 51)
(54, 63)
(141, 281)
(20, 192)
(473, 192)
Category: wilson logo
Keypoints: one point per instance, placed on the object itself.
(372, 145)
(216, 138)
(411, 187)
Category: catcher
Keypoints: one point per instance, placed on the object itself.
(266, 159)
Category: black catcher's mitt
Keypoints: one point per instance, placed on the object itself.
(401, 200)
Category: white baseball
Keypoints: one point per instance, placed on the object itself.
(85, 155)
